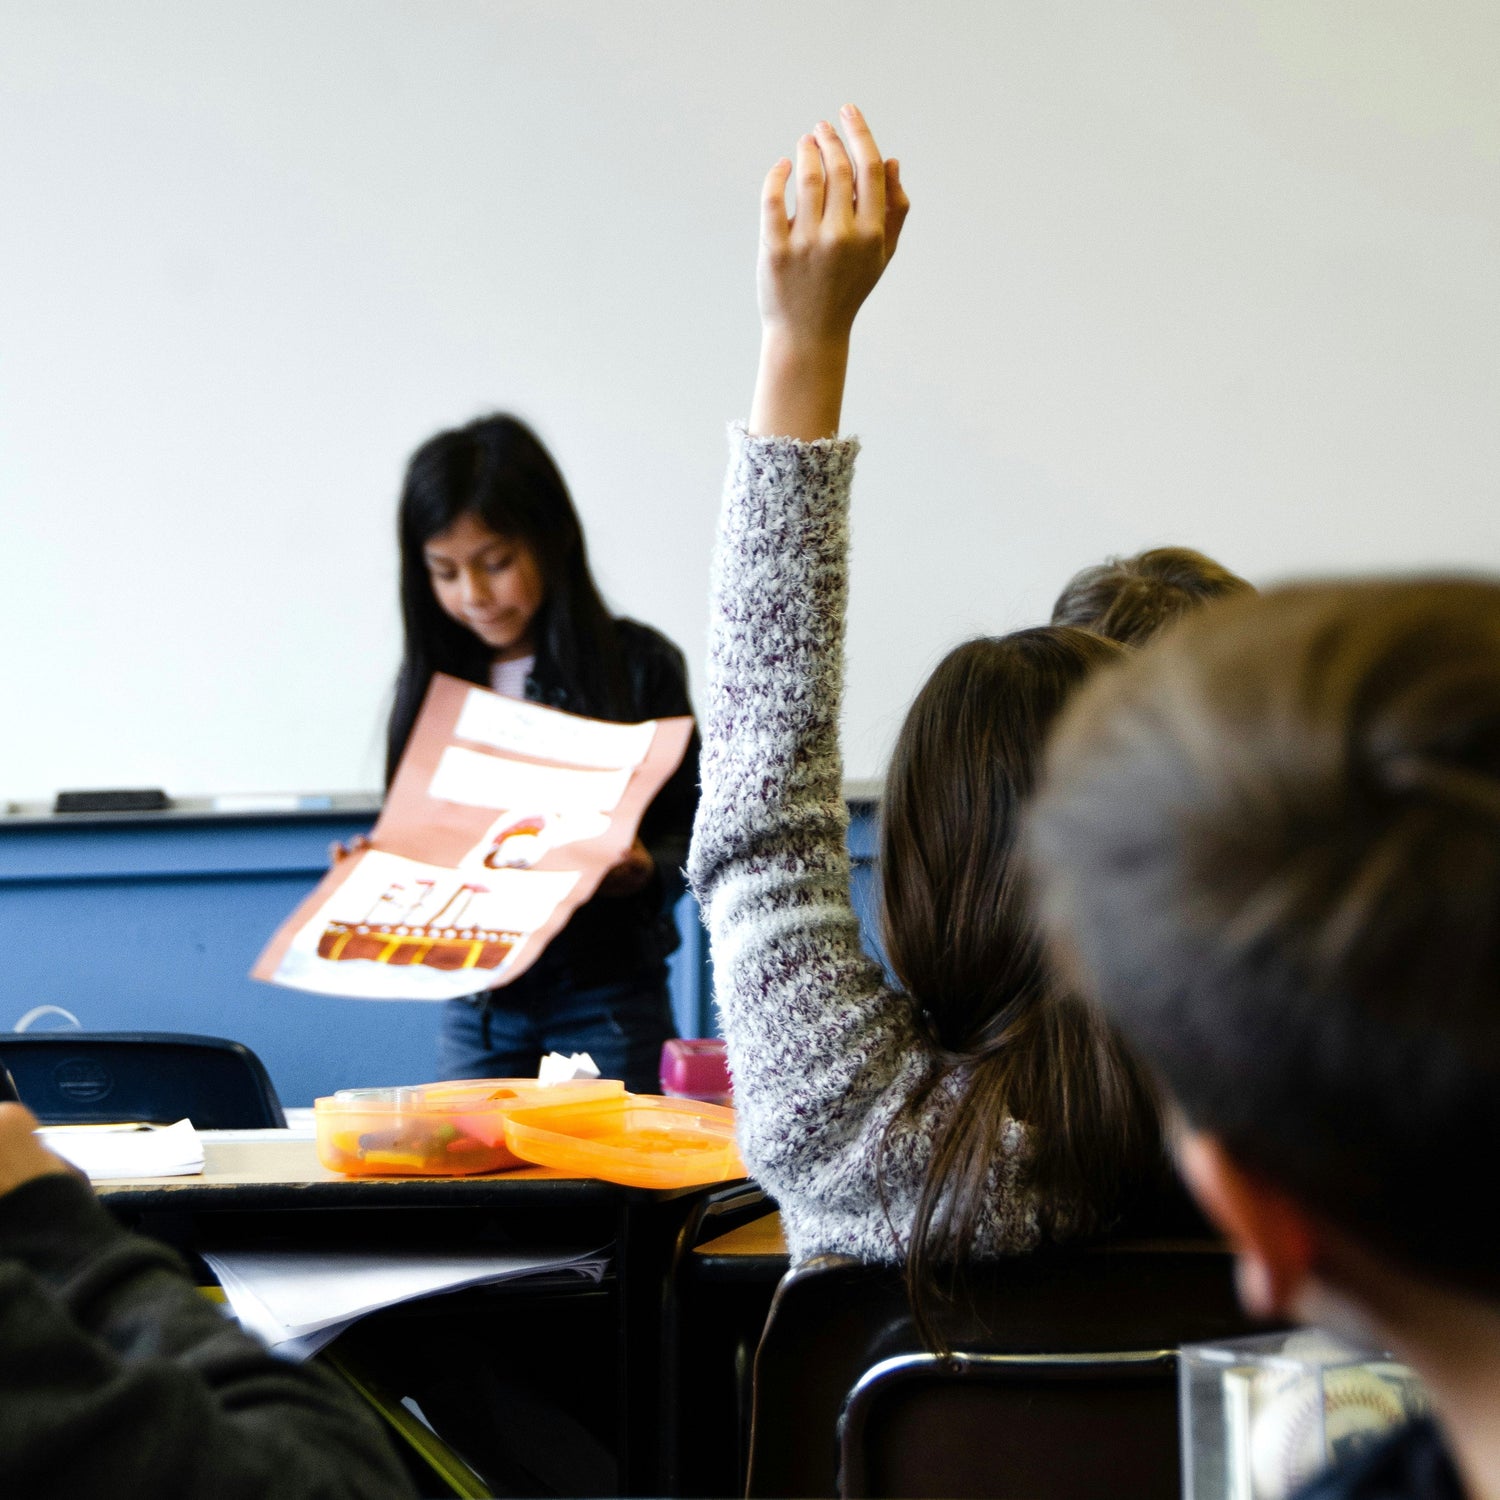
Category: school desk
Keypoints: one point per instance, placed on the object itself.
(751, 1248)
(264, 1192)
(715, 1310)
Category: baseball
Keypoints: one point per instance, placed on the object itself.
(1303, 1424)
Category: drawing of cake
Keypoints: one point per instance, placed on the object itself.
(395, 931)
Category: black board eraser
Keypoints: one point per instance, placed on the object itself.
(137, 799)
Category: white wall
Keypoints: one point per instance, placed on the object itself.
(1222, 275)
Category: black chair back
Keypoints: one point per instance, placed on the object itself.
(1014, 1427)
(93, 1077)
(834, 1319)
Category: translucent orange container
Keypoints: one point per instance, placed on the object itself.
(641, 1140)
(435, 1129)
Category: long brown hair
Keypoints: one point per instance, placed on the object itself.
(959, 936)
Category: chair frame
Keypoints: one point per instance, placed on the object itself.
(880, 1380)
(834, 1320)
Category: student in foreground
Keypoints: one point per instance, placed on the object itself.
(1270, 845)
(977, 1109)
(117, 1378)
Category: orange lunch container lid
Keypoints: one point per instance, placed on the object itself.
(469, 1093)
(640, 1140)
(477, 1099)
(461, 1095)
(436, 1129)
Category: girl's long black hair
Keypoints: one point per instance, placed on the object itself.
(497, 469)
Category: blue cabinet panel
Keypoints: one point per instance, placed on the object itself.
(142, 925)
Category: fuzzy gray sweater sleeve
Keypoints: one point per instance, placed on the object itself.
(823, 1052)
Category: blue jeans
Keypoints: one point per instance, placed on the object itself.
(621, 1024)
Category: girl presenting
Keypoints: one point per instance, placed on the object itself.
(496, 589)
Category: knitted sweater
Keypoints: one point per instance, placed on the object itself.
(823, 1052)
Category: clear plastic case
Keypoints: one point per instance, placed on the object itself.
(1262, 1416)
(435, 1129)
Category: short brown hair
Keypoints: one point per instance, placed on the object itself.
(1270, 846)
(1130, 598)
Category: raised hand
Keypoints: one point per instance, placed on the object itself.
(815, 270)
(818, 266)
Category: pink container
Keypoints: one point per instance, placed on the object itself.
(696, 1068)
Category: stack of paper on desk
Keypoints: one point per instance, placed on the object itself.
(127, 1150)
(300, 1301)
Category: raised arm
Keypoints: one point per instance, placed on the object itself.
(822, 1051)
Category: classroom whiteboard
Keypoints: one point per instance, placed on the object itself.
(1219, 275)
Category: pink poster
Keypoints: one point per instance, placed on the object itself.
(502, 820)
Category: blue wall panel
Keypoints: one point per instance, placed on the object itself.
(152, 925)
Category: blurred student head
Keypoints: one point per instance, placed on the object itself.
(1129, 599)
(1269, 845)
(959, 936)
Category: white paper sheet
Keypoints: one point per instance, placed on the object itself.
(299, 1301)
(509, 724)
(127, 1150)
(479, 780)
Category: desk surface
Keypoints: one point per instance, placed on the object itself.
(760, 1237)
(258, 1173)
(226, 1162)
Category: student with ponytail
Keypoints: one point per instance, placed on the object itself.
(975, 1108)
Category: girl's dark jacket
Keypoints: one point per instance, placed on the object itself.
(626, 937)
